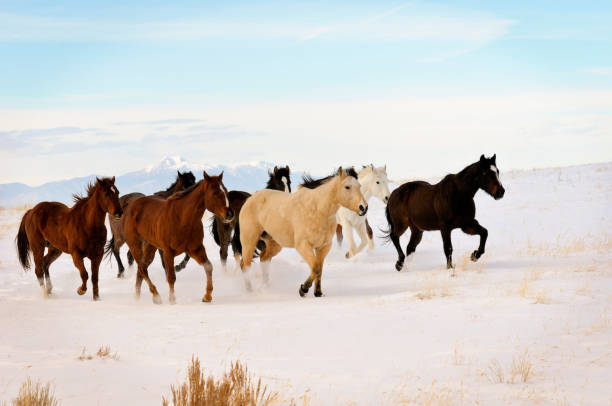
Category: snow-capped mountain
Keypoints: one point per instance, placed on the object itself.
(248, 177)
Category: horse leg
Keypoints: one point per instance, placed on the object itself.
(249, 236)
(362, 232)
(225, 233)
(347, 231)
(78, 262)
(148, 254)
(448, 246)
(137, 248)
(38, 251)
(52, 254)
(321, 253)
(161, 257)
(201, 258)
(95, 267)
(130, 258)
(474, 228)
(306, 251)
(170, 274)
(272, 249)
(370, 235)
(415, 239)
(119, 263)
(182, 264)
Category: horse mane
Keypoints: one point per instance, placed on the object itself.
(310, 183)
(169, 188)
(280, 172)
(185, 192)
(91, 189)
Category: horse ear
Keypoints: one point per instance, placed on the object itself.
(221, 176)
(206, 177)
(287, 167)
(385, 168)
(113, 180)
(341, 172)
(275, 169)
(483, 159)
(493, 158)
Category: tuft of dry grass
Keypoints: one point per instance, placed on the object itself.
(434, 286)
(521, 368)
(34, 393)
(235, 388)
(104, 352)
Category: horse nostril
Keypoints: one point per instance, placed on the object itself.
(386, 199)
(229, 214)
(118, 213)
(361, 208)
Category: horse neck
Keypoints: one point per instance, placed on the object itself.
(91, 211)
(327, 202)
(194, 201)
(366, 189)
(466, 181)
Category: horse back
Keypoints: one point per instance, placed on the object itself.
(412, 204)
(48, 221)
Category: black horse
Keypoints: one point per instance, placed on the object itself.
(280, 179)
(447, 205)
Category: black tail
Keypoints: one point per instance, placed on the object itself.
(387, 233)
(109, 248)
(130, 258)
(23, 245)
(236, 244)
(214, 229)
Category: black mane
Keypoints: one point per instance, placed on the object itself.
(310, 183)
(276, 175)
(185, 192)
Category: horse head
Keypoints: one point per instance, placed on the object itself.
(488, 177)
(280, 179)
(348, 193)
(374, 182)
(108, 196)
(216, 197)
(187, 179)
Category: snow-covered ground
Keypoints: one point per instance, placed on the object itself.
(541, 295)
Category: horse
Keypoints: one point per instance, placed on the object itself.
(447, 205)
(280, 179)
(78, 231)
(373, 182)
(304, 220)
(183, 181)
(174, 225)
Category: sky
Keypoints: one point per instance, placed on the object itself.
(424, 87)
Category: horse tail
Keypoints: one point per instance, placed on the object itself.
(214, 229)
(109, 248)
(130, 258)
(387, 233)
(369, 230)
(23, 244)
(236, 244)
(339, 234)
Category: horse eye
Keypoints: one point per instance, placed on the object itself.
(378, 182)
(347, 187)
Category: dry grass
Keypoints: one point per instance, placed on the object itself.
(458, 358)
(434, 285)
(434, 395)
(104, 352)
(34, 394)
(563, 247)
(235, 388)
(521, 370)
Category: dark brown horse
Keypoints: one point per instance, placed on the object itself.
(78, 231)
(447, 205)
(174, 225)
(183, 181)
(280, 179)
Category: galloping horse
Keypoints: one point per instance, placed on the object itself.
(373, 182)
(447, 205)
(280, 179)
(78, 231)
(183, 181)
(174, 225)
(304, 220)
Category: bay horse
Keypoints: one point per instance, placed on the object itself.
(447, 205)
(304, 220)
(183, 181)
(374, 182)
(280, 179)
(78, 231)
(174, 225)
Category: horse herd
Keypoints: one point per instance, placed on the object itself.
(258, 225)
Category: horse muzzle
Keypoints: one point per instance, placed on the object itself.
(229, 216)
(363, 210)
(499, 193)
(117, 214)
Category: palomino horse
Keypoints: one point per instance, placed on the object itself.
(304, 220)
(280, 179)
(447, 205)
(373, 182)
(78, 231)
(174, 225)
(183, 181)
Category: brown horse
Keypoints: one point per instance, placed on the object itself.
(78, 231)
(174, 226)
(183, 181)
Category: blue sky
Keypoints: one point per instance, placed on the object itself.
(85, 66)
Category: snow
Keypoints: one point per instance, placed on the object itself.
(542, 292)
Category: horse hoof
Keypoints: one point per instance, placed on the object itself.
(207, 299)
(120, 275)
(475, 256)
(399, 265)
(347, 255)
(96, 298)
(172, 300)
(81, 291)
(318, 294)
(157, 299)
(302, 291)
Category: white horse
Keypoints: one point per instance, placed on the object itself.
(304, 220)
(373, 182)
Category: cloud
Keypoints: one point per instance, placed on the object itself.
(602, 70)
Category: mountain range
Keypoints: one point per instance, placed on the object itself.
(248, 177)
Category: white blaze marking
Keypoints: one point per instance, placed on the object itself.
(224, 195)
(284, 179)
(495, 171)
